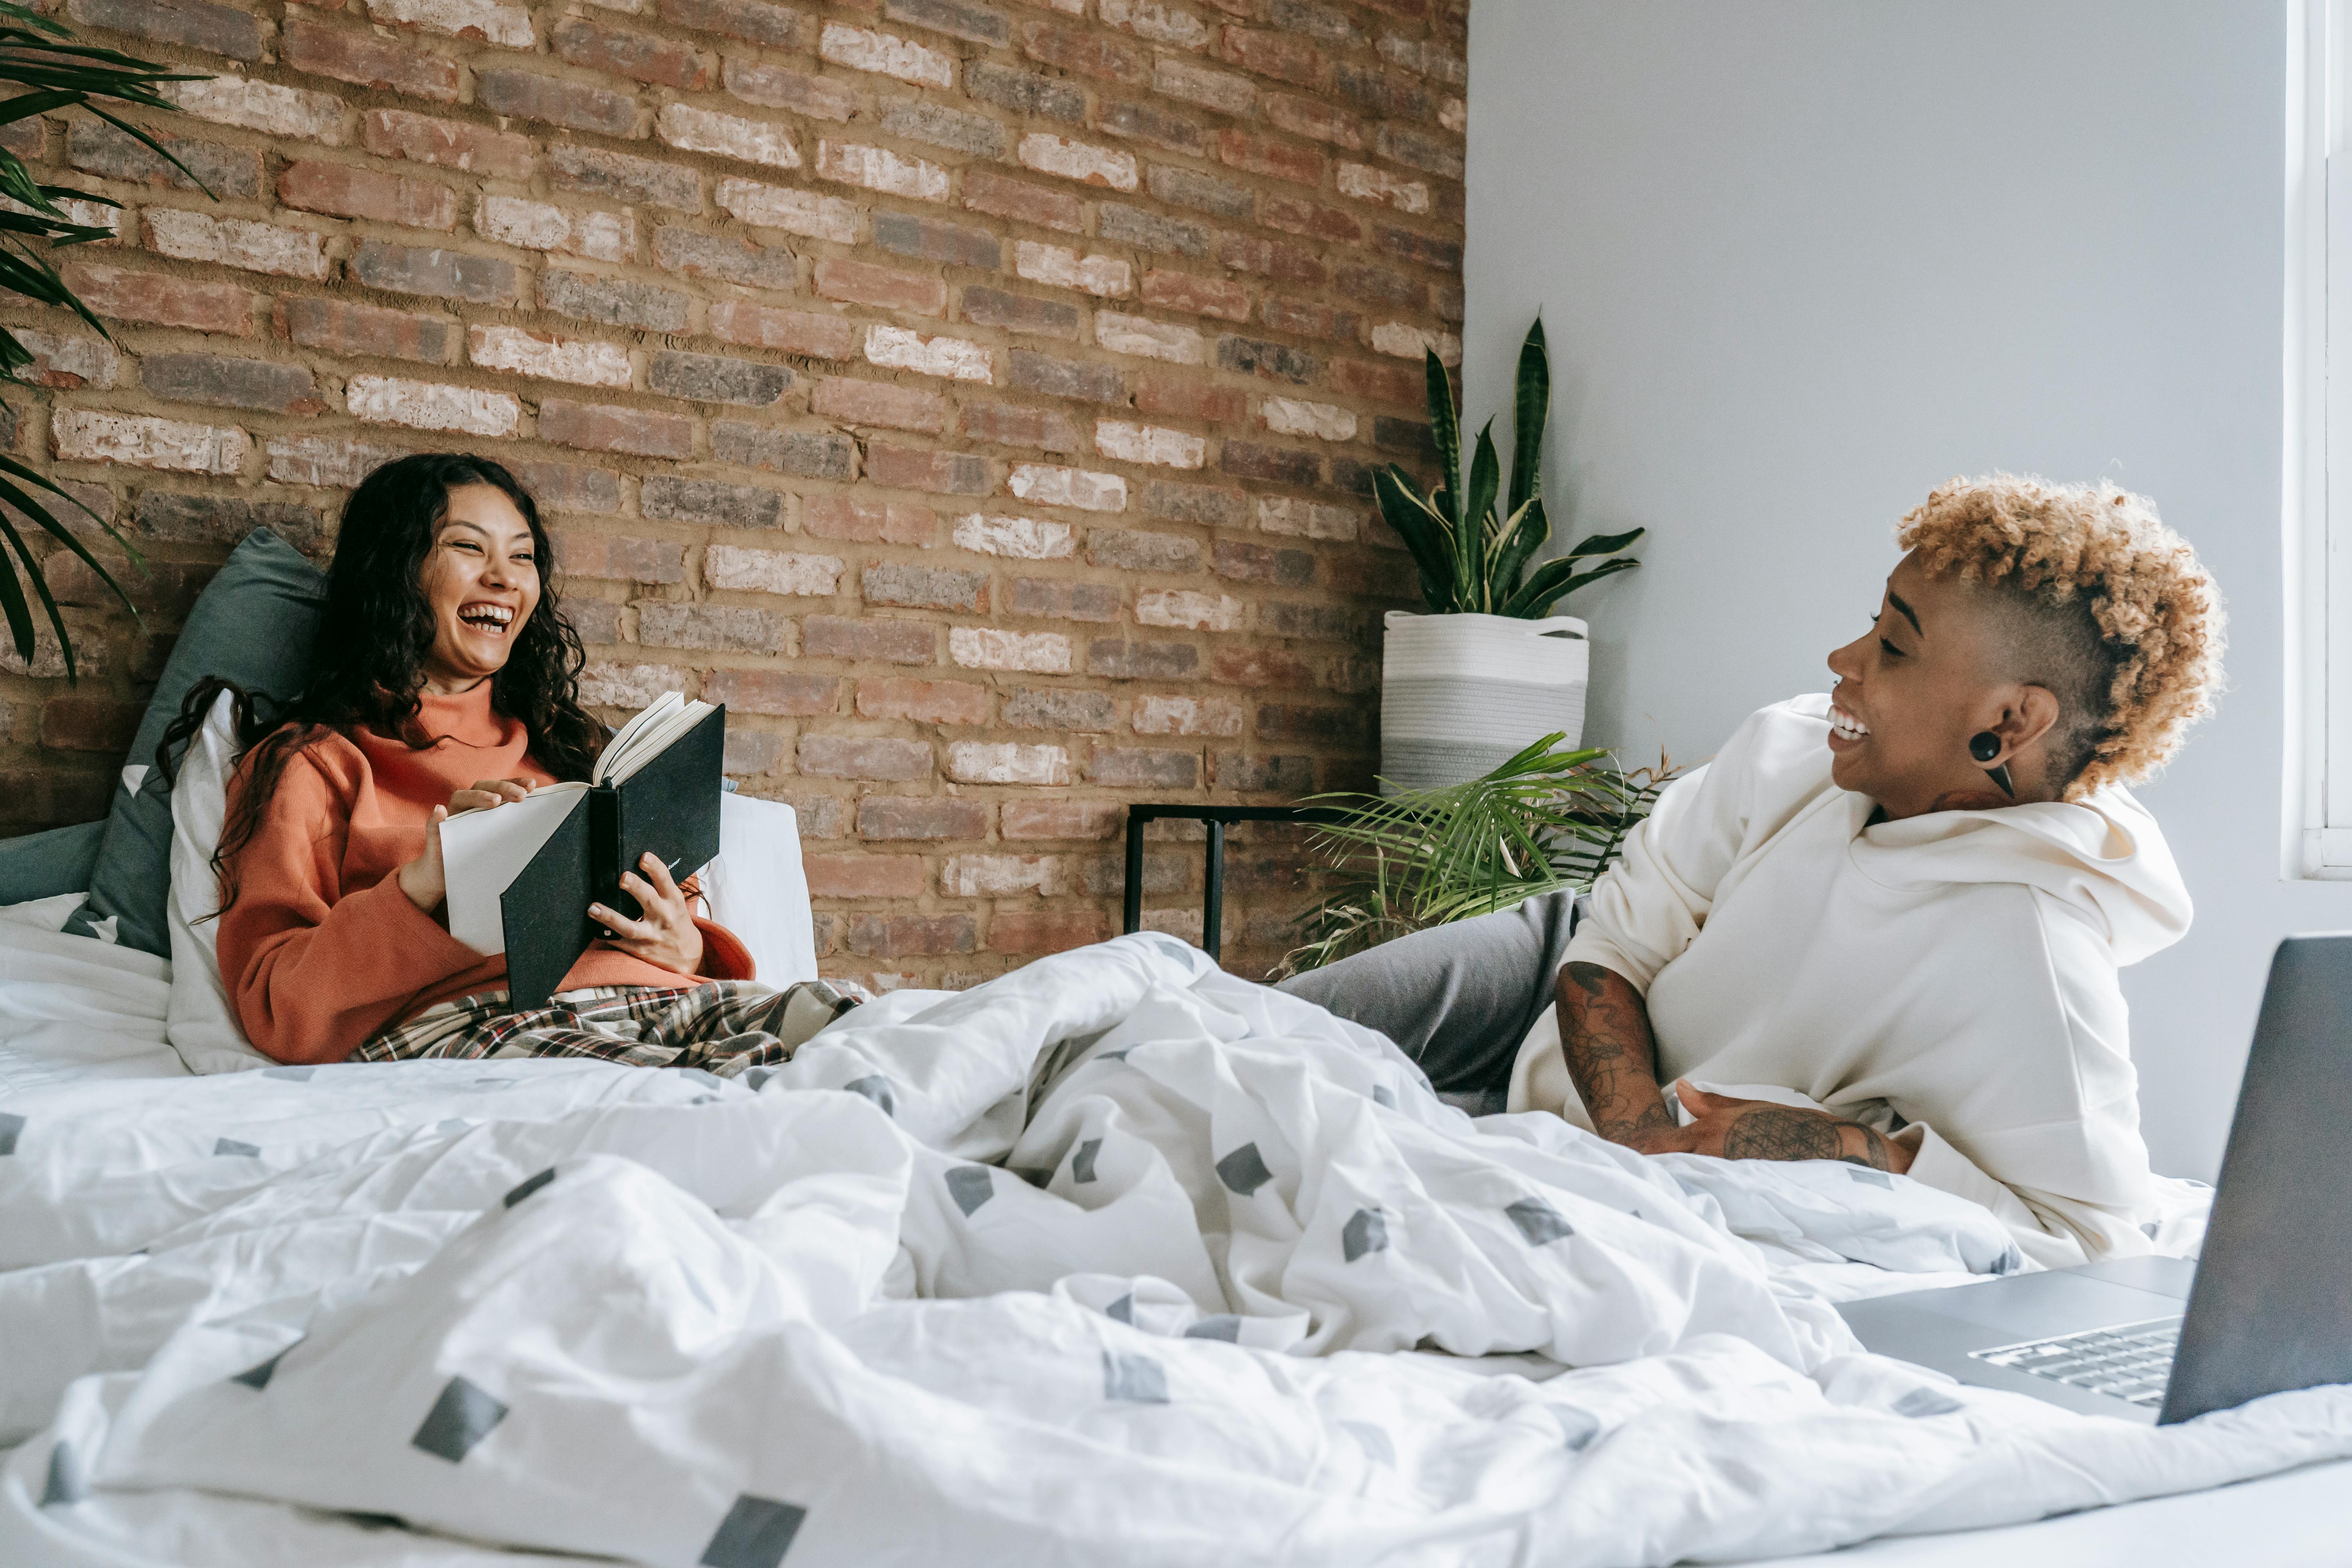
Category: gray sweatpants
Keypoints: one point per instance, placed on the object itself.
(1457, 998)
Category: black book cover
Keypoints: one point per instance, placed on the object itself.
(668, 807)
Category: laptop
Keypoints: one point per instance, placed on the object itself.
(2162, 1339)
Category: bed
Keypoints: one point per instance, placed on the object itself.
(946, 1287)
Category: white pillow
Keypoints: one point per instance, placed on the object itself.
(758, 890)
(202, 1026)
(49, 914)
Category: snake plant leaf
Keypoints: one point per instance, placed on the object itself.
(1529, 409)
(1445, 434)
(1604, 544)
(1525, 533)
(1555, 579)
(1477, 510)
(1424, 534)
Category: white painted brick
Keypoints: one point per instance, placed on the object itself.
(1296, 417)
(1149, 339)
(957, 358)
(336, 462)
(429, 405)
(1049, 485)
(1150, 19)
(864, 49)
(1410, 343)
(261, 106)
(693, 130)
(628, 7)
(1188, 716)
(582, 362)
(1183, 608)
(1022, 537)
(1125, 441)
(771, 571)
(88, 214)
(236, 242)
(1078, 161)
(507, 25)
(93, 436)
(879, 169)
(67, 360)
(1106, 277)
(1002, 875)
(1307, 518)
(794, 212)
(1455, 115)
(633, 685)
(1005, 762)
(1416, 55)
(1367, 183)
(536, 226)
(985, 647)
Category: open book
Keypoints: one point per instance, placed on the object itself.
(523, 874)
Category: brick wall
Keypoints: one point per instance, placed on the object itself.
(979, 399)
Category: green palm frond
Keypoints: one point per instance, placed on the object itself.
(39, 56)
(1553, 816)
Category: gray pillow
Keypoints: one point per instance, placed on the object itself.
(43, 864)
(253, 625)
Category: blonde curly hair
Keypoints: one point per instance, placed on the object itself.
(2116, 615)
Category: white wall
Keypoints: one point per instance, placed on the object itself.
(1800, 259)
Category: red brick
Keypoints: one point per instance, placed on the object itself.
(343, 192)
(1259, 667)
(1089, 54)
(890, 816)
(856, 402)
(599, 427)
(1276, 55)
(1013, 425)
(640, 56)
(1045, 931)
(199, 24)
(911, 936)
(349, 54)
(565, 487)
(869, 521)
(912, 468)
(773, 691)
(1140, 767)
(619, 558)
(1375, 576)
(527, 95)
(862, 283)
(791, 331)
(1405, 388)
(865, 876)
(1062, 818)
(1294, 216)
(777, 87)
(1310, 319)
(889, 641)
(1184, 397)
(1312, 117)
(1260, 155)
(133, 296)
(1271, 258)
(986, 191)
(924, 701)
(864, 757)
(397, 133)
(88, 724)
(755, 21)
(1201, 296)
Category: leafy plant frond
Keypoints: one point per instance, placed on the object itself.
(1552, 816)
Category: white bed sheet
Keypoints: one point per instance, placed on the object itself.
(76, 1012)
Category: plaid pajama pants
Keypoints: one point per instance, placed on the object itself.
(723, 1026)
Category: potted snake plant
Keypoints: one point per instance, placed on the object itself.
(1465, 686)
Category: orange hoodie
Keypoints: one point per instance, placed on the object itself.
(321, 948)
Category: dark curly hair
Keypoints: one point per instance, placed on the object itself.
(375, 631)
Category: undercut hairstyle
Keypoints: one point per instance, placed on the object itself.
(2104, 607)
(375, 629)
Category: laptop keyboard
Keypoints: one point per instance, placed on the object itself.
(2130, 1361)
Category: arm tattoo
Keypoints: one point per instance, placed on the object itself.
(1604, 1036)
(1785, 1132)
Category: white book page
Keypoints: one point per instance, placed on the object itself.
(656, 740)
(483, 850)
(632, 734)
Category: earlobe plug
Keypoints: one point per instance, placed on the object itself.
(1984, 746)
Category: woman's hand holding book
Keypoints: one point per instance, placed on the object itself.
(667, 935)
(424, 879)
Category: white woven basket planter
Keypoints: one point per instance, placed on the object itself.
(1463, 694)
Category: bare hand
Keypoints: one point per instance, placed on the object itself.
(1765, 1130)
(424, 879)
(488, 792)
(667, 935)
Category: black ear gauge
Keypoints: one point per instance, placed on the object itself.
(1984, 746)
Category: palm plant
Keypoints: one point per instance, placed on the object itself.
(1474, 559)
(1553, 816)
(40, 57)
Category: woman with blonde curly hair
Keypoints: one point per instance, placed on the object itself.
(1884, 924)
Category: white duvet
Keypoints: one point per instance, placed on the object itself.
(1116, 1259)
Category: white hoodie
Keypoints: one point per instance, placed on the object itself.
(1957, 970)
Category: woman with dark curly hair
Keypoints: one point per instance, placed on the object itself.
(445, 679)
(1883, 925)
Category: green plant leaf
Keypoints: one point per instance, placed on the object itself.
(1424, 534)
(1446, 433)
(1529, 408)
(1604, 544)
(1527, 532)
(1555, 579)
(1477, 515)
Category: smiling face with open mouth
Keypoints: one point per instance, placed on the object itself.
(481, 577)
